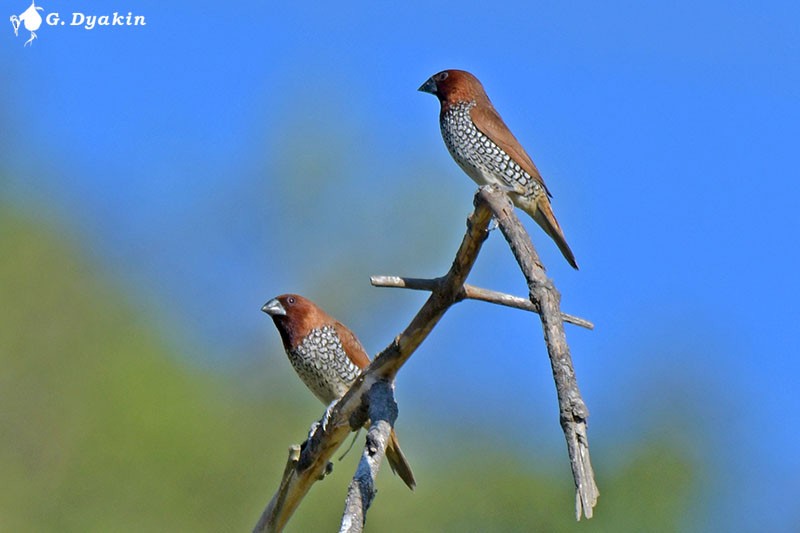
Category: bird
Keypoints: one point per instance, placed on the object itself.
(328, 358)
(483, 146)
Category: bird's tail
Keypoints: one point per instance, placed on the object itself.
(398, 461)
(542, 213)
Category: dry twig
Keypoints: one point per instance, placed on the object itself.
(361, 492)
(471, 292)
(572, 409)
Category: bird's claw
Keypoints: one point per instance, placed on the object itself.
(326, 416)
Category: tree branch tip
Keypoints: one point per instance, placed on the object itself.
(294, 452)
(486, 193)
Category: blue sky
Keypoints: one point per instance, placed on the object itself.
(668, 135)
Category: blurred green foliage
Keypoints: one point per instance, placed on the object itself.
(104, 428)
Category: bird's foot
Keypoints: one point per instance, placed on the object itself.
(326, 416)
(513, 188)
(313, 429)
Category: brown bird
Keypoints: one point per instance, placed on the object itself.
(328, 358)
(484, 147)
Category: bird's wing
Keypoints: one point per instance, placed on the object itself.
(488, 121)
(352, 346)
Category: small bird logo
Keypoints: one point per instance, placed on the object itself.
(484, 148)
(32, 20)
(328, 357)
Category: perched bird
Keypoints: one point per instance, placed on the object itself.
(484, 147)
(328, 357)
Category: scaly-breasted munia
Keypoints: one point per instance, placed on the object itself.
(488, 152)
(328, 357)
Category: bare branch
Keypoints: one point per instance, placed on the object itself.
(572, 409)
(471, 292)
(361, 492)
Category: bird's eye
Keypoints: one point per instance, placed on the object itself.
(291, 300)
(441, 76)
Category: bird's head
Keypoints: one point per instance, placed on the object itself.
(451, 86)
(295, 316)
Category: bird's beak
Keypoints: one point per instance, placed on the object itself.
(429, 86)
(274, 308)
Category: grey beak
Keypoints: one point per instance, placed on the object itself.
(428, 87)
(274, 308)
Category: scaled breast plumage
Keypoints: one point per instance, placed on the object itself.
(479, 156)
(322, 363)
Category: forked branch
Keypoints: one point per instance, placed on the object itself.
(312, 461)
